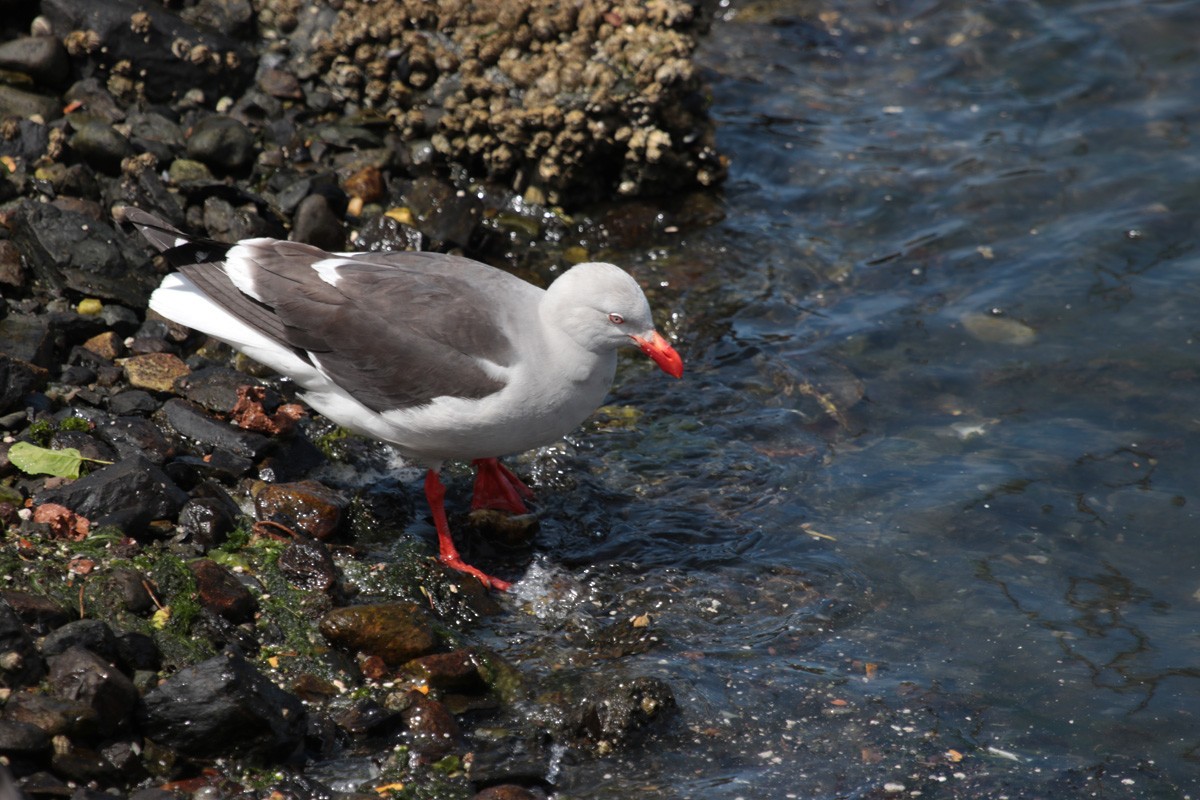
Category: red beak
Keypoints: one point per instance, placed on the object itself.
(663, 354)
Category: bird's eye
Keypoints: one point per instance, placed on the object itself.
(616, 319)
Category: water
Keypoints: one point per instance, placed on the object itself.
(922, 516)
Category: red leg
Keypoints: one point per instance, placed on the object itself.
(435, 495)
(497, 487)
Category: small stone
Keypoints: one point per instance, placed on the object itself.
(92, 634)
(37, 611)
(307, 564)
(222, 143)
(396, 632)
(315, 223)
(20, 663)
(195, 425)
(42, 58)
(106, 345)
(134, 401)
(221, 592)
(307, 507)
(280, 83)
(81, 675)
(102, 147)
(186, 170)
(432, 728)
(206, 521)
(456, 671)
(12, 269)
(507, 791)
(154, 371)
(366, 184)
(22, 739)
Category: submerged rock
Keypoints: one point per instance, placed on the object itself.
(395, 632)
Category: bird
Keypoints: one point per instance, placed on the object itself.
(443, 357)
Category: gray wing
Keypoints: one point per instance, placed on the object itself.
(397, 329)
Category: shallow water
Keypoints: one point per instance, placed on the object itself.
(922, 515)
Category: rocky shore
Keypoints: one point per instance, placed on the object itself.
(202, 595)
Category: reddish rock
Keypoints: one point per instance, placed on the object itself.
(306, 507)
(221, 592)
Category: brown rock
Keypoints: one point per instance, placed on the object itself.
(221, 592)
(395, 632)
(455, 671)
(306, 507)
(433, 729)
(366, 184)
(508, 791)
(154, 371)
(107, 345)
(12, 269)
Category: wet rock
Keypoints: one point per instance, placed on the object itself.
(307, 564)
(216, 388)
(101, 146)
(22, 739)
(614, 712)
(511, 530)
(168, 56)
(456, 671)
(432, 730)
(12, 269)
(221, 592)
(42, 58)
(234, 18)
(130, 494)
(84, 765)
(315, 223)
(444, 214)
(395, 632)
(224, 636)
(206, 522)
(194, 425)
(506, 791)
(37, 611)
(280, 83)
(186, 170)
(223, 706)
(222, 143)
(154, 133)
(17, 379)
(20, 663)
(108, 345)
(130, 588)
(68, 250)
(134, 401)
(307, 507)
(88, 446)
(137, 652)
(135, 437)
(83, 676)
(27, 105)
(91, 634)
(29, 339)
(385, 234)
(367, 717)
(56, 716)
(154, 371)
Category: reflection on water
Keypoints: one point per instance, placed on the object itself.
(920, 519)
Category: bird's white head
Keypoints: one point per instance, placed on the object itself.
(601, 307)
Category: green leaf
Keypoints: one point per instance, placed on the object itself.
(34, 460)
